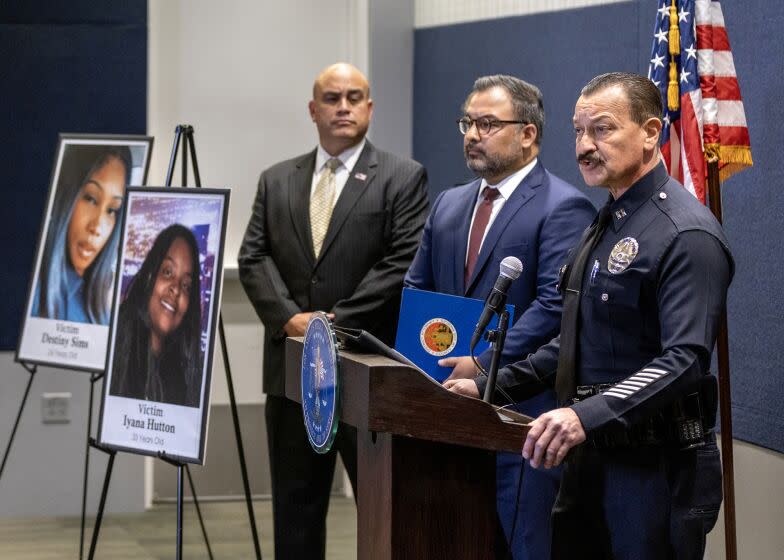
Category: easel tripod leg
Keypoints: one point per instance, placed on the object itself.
(240, 447)
(102, 503)
(198, 512)
(31, 370)
(93, 379)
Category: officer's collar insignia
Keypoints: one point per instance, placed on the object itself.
(620, 214)
(622, 255)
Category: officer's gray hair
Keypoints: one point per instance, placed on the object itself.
(527, 102)
(645, 100)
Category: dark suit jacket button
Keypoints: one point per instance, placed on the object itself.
(314, 280)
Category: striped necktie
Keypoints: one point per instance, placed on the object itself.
(321, 204)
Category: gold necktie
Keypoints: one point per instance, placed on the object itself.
(321, 204)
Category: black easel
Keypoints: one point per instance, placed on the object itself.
(185, 132)
(179, 466)
(31, 369)
(93, 378)
(188, 130)
(104, 491)
(91, 443)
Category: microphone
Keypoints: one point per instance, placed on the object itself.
(511, 269)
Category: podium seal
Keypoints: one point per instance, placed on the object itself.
(320, 383)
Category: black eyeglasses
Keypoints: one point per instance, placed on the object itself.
(483, 125)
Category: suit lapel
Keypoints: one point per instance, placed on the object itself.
(524, 192)
(358, 181)
(300, 182)
(460, 239)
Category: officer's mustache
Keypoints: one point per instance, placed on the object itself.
(473, 146)
(590, 158)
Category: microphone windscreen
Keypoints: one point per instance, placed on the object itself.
(511, 267)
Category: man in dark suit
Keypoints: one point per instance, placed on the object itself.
(332, 230)
(515, 208)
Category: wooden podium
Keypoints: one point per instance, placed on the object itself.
(425, 459)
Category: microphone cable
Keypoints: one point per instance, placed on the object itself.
(512, 403)
(484, 372)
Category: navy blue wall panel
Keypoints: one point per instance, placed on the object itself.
(560, 52)
(753, 208)
(64, 67)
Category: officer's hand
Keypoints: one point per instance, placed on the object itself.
(298, 323)
(465, 387)
(463, 367)
(551, 436)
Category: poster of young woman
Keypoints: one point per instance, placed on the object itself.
(167, 299)
(66, 320)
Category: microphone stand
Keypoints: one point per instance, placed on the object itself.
(497, 337)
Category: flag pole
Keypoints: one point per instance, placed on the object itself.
(725, 402)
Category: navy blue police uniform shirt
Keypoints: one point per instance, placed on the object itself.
(653, 291)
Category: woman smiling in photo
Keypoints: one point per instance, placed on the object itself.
(159, 325)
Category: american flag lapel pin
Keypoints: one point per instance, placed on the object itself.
(360, 176)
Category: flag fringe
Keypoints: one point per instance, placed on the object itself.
(732, 159)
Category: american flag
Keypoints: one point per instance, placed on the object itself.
(691, 63)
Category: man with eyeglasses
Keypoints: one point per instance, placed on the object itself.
(514, 208)
(332, 230)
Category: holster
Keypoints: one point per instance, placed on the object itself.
(685, 424)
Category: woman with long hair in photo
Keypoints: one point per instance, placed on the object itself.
(77, 266)
(158, 348)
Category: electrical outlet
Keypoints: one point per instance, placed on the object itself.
(56, 408)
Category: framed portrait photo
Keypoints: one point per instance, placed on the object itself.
(166, 303)
(66, 319)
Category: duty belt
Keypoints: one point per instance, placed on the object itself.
(683, 425)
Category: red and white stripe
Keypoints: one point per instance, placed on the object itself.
(714, 114)
(723, 115)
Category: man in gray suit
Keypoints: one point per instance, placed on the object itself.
(333, 230)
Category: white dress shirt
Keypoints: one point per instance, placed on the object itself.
(505, 188)
(348, 159)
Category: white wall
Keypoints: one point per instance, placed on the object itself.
(430, 13)
(391, 73)
(43, 475)
(759, 506)
(241, 72)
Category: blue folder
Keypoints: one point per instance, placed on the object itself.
(434, 326)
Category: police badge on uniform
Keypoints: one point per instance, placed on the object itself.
(622, 255)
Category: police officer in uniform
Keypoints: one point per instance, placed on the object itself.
(643, 292)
